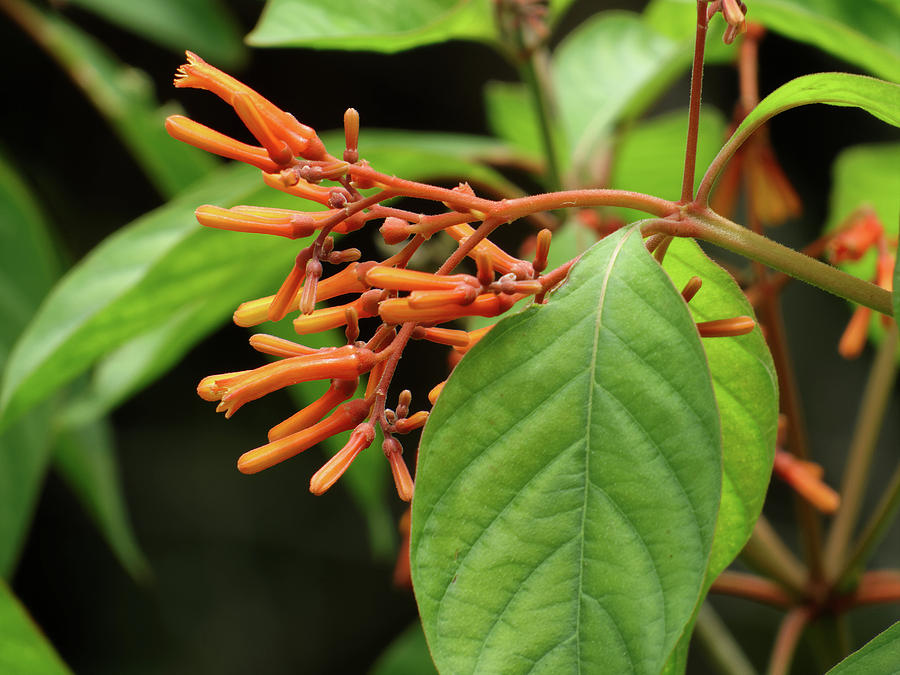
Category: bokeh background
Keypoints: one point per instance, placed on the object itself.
(255, 574)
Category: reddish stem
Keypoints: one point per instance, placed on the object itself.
(690, 154)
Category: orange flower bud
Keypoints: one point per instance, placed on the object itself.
(399, 279)
(407, 424)
(351, 135)
(395, 230)
(329, 317)
(254, 121)
(502, 260)
(334, 468)
(463, 294)
(542, 250)
(474, 337)
(806, 481)
(854, 337)
(398, 310)
(290, 287)
(442, 336)
(739, 325)
(188, 131)
(198, 74)
(690, 288)
(211, 387)
(435, 392)
(338, 392)
(276, 346)
(346, 417)
(292, 184)
(293, 226)
(342, 363)
(402, 480)
(344, 282)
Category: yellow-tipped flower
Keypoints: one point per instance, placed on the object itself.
(193, 133)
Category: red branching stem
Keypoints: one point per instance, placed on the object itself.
(690, 153)
(877, 586)
(752, 587)
(786, 640)
(403, 256)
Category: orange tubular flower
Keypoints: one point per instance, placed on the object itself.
(502, 260)
(193, 133)
(343, 363)
(474, 337)
(276, 346)
(853, 339)
(739, 325)
(334, 468)
(301, 139)
(331, 317)
(402, 480)
(293, 225)
(806, 479)
(345, 418)
(296, 186)
(398, 310)
(442, 336)
(344, 282)
(338, 392)
(398, 279)
(411, 423)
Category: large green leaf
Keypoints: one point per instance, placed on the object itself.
(746, 388)
(139, 278)
(203, 26)
(879, 656)
(865, 34)
(611, 67)
(124, 95)
(85, 458)
(23, 648)
(28, 266)
(877, 97)
(385, 26)
(406, 655)
(571, 471)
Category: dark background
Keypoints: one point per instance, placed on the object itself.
(256, 575)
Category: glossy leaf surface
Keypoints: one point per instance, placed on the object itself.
(23, 648)
(386, 26)
(610, 67)
(571, 467)
(879, 655)
(877, 97)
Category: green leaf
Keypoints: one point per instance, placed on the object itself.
(24, 650)
(85, 458)
(746, 387)
(877, 97)
(879, 656)
(677, 19)
(511, 116)
(28, 266)
(159, 266)
(406, 655)
(124, 95)
(203, 26)
(866, 34)
(610, 68)
(385, 26)
(571, 467)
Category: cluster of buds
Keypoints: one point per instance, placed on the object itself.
(408, 303)
(861, 233)
(405, 303)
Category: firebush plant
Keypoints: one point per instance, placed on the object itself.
(617, 402)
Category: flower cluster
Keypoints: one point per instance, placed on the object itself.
(407, 304)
